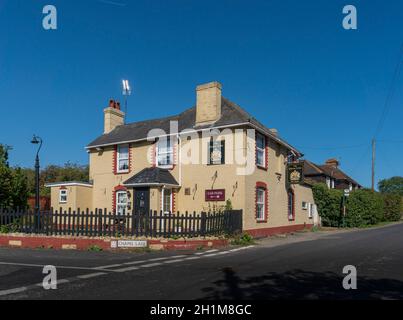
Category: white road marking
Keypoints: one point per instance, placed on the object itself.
(173, 261)
(150, 265)
(12, 291)
(169, 260)
(41, 266)
(127, 269)
(192, 258)
(213, 250)
(109, 266)
(91, 275)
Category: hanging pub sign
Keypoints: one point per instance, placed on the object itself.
(295, 173)
(215, 195)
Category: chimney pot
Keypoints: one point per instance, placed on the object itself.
(113, 116)
(333, 162)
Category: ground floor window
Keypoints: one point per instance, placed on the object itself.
(261, 202)
(291, 206)
(167, 200)
(121, 202)
(63, 196)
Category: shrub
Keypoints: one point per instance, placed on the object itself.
(329, 202)
(243, 240)
(364, 208)
(94, 248)
(392, 203)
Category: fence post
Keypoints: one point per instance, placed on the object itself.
(203, 224)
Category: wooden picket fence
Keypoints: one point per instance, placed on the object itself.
(101, 223)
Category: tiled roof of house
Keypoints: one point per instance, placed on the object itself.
(312, 169)
(231, 114)
(152, 176)
(337, 173)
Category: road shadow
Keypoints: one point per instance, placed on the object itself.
(299, 285)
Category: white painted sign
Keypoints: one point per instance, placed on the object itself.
(129, 244)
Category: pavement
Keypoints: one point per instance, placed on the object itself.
(300, 266)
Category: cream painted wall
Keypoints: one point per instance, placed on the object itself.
(240, 189)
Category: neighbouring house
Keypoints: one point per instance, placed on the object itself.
(208, 156)
(330, 174)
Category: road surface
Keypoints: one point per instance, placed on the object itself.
(303, 266)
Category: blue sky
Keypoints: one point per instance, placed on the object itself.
(289, 63)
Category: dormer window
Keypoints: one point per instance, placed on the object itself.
(165, 153)
(123, 159)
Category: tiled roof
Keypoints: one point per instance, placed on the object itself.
(231, 114)
(312, 169)
(152, 176)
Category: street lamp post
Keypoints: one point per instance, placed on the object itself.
(37, 140)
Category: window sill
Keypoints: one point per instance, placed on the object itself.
(122, 172)
(261, 221)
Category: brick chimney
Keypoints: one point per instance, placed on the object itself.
(208, 103)
(113, 116)
(333, 163)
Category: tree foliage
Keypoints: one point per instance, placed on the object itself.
(329, 203)
(391, 185)
(53, 173)
(13, 183)
(364, 208)
(392, 206)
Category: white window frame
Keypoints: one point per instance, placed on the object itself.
(165, 151)
(163, 193)
(328, 182)
(121, 204)
(62, 193)
(120, 158)
(291, 210)
(261, 150)
(305, 205)
(310, 211)
(216, 145)
(261, 204)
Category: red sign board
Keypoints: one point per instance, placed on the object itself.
(215, 195)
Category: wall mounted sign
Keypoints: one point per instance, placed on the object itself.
(295, 173)
(215, 195)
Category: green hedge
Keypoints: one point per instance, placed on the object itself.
(329, 203)
(363, 208)
(392, 206)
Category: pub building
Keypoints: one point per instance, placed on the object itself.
(131, 172)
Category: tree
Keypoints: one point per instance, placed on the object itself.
(391, 185)
(13, 183)
(53, 173)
